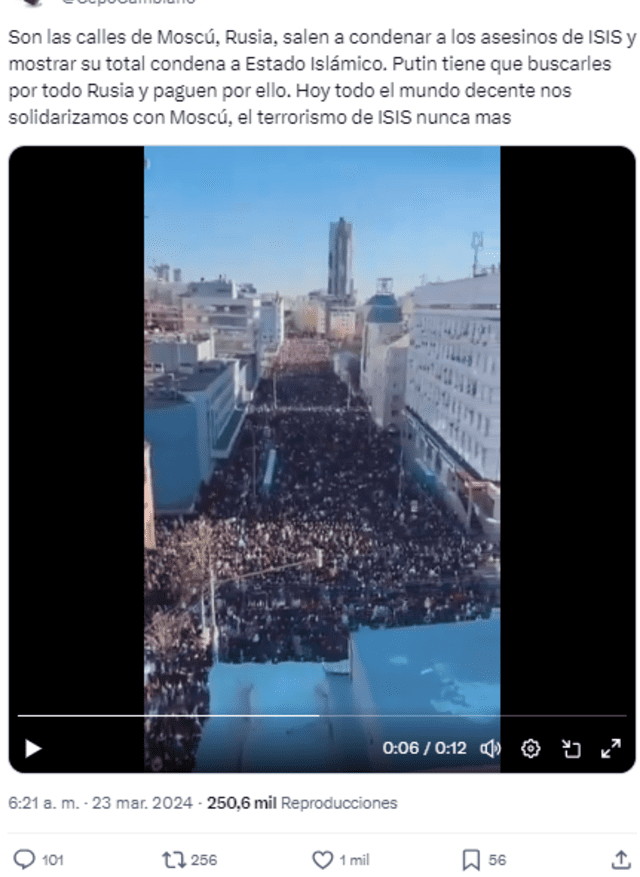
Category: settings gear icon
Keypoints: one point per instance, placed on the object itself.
(530, 748)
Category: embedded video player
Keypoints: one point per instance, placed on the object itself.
(323, 455)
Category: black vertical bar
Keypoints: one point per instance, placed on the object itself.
(568, 454)
(76, 601)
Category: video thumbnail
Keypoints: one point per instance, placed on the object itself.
(323, 425)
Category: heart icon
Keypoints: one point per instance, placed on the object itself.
(323, 860)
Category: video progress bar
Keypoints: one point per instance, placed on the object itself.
(320, 716)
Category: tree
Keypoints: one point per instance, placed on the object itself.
(195, 560)
(165, 631)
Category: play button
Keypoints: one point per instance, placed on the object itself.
(30, 748)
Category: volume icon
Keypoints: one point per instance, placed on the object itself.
(492, 748)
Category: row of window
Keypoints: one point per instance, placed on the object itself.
(430, 389)
(475, 331)
(435, 404)
(462, 442)
(466, 445)
(479, 362)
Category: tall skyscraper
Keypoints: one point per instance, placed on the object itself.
(340, 258)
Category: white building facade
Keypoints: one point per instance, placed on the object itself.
(453, 394)
(234, 322)
(382, 326)
(271, 321)
(388, 378)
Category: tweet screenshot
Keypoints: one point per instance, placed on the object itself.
(306, 227)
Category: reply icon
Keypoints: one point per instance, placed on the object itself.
(24, 858)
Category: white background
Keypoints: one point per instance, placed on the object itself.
(544, 824)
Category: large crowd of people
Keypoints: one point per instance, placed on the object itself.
(176, 684)
(303, 354)
(342, 538)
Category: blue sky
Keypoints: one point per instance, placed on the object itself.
(262, 214)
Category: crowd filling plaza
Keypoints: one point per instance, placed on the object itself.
(342, 538)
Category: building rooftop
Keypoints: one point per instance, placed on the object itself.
(207, 372)
(163, 399)
(483, 290)
(463, 660)
(337, 304)
(165, 388)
